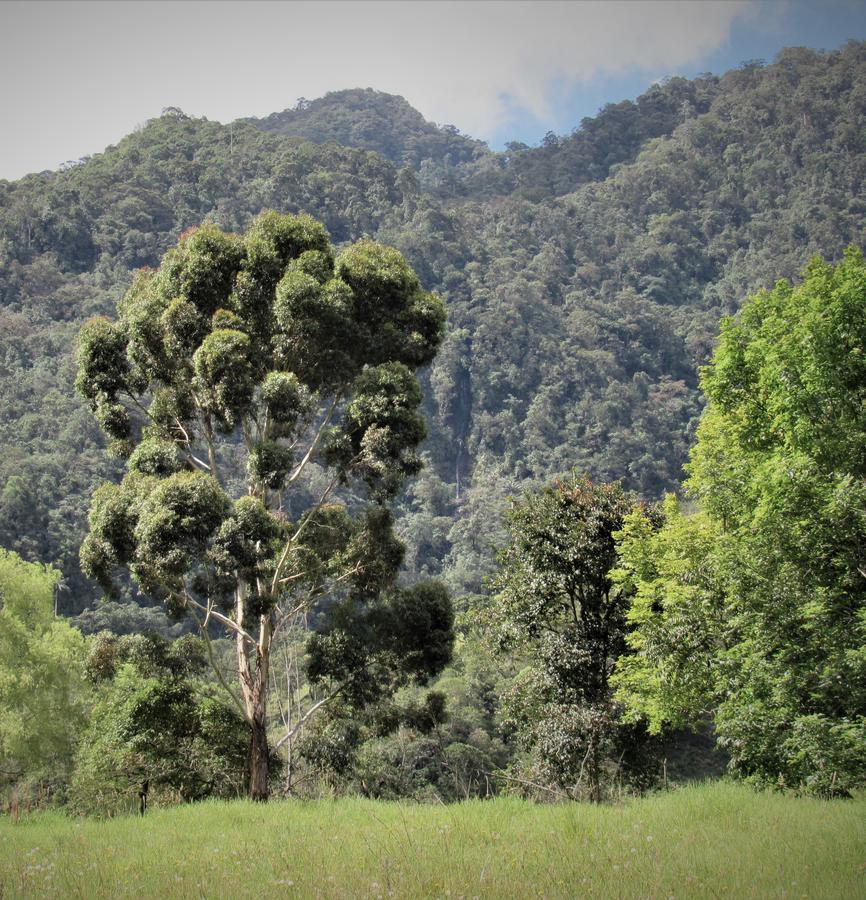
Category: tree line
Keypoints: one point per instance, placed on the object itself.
(611, 621)
(584, 281)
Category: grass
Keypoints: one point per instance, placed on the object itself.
(712, 840)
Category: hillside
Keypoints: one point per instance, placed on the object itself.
(373, 120)
(584, 278)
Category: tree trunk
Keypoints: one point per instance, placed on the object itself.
(259, 762)
(257, 711)
(254, 684)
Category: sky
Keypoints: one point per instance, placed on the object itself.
(77, 76)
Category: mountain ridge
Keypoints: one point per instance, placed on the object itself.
(585, 279)
(367, 119)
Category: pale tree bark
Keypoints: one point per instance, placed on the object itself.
(253, 669)
(259, 751)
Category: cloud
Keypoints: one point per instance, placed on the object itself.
(78, 75)
(506, 58)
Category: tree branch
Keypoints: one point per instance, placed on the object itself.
(224, 620)
(297, 608)
(315, 442)
(191, 457)
(138, 403)
(188, 443)
(290, 735)
(207, 428)
(203, 628)
(285, 554)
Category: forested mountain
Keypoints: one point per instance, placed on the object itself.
(584, 278)
(373, 120)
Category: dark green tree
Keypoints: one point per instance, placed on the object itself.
(755, 608)
(157, 730)
(557, 603)
(245, 381)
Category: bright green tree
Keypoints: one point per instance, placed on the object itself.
(42, 690)
(245, 381)
(755, 608)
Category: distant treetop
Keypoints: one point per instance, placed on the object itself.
(373, 120)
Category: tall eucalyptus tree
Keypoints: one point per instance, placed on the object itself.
(266, 350)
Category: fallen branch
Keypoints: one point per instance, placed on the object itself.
(540, 787)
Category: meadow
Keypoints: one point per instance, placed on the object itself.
(712, 840)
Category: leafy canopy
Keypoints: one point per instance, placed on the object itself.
(42, 690)
(274, 343)
(754, 607)
(156, 727)
(245, 380)
(556, 601)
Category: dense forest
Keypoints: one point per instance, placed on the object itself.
(584, 281)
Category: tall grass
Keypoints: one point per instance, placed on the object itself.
(714, 840)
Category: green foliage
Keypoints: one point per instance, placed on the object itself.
(382, 428)
(437, 743)
(248, 536)
(71, 241)
(373, 120)
(224, 375)
(155, 729)
(42, 691)
(585, 277)
(381, 736)
(122, 618)
(156, 457)
(175, 526)
(557, 602)
(102, 364)
(669, 680)
(149, 653)
(269, 464)
(161, 528)
(754, 607)
(285, 399)
(207, 401)
(370, 649)
(422, 629)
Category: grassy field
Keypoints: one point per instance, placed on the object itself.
(715, 840)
